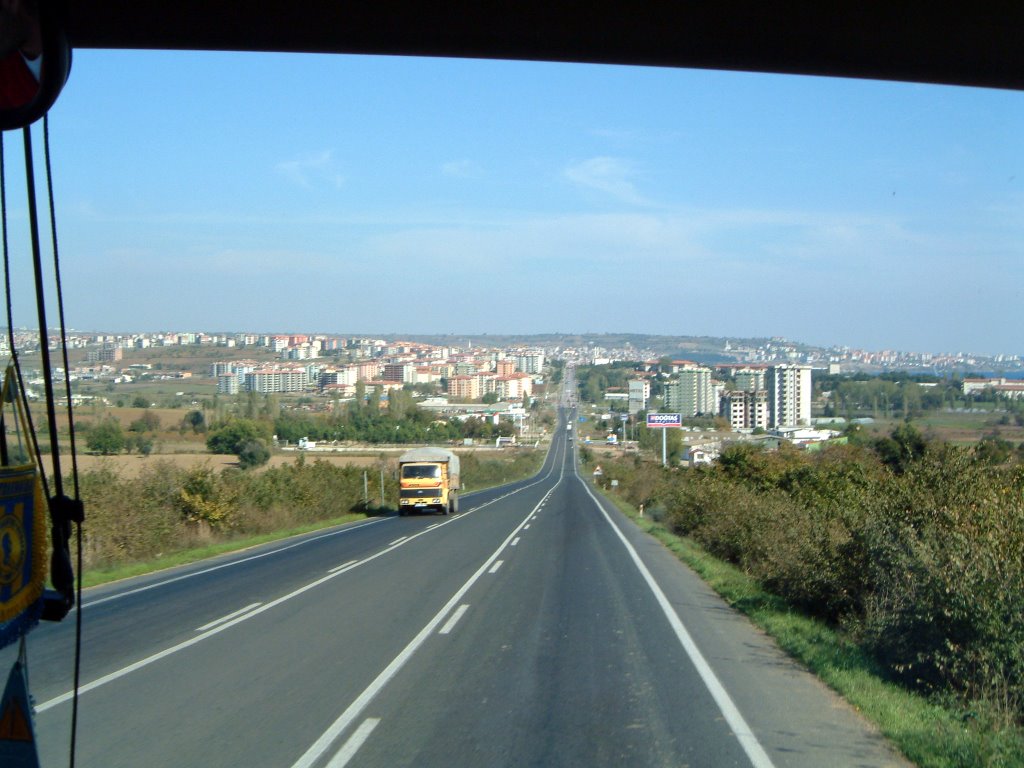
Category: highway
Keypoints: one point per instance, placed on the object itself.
(538, 627)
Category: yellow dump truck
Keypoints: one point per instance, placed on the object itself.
(428, 479)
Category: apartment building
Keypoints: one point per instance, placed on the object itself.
(750, 379)
(639, 394)
(464, 388)
(691, 393)
(505, 367)
(746, 409)
(277, 380)
(530, 362)
(789, 395)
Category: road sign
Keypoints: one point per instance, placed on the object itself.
(662, 420)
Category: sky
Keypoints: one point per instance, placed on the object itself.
(400, 196)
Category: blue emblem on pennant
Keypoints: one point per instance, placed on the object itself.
(22, 531)
(22, 552)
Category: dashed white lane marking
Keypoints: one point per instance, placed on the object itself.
(525, 527)
(229, 617)
(450, 624)
(346, 718)
(397, 541)
(432, 525)
(349, 714)
(496, 566)
(514, 541)
(343, 566)
(355, 741)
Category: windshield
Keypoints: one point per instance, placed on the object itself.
(499, 196)
(284, 271)
(421, 471)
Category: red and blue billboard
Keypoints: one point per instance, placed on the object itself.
(663, 420)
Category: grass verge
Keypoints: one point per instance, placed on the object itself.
(927, 733)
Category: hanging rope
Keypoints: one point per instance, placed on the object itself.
(22, 392)
(63, 510)
(77, 509)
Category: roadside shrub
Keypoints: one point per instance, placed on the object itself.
(920, 558)
(947, 556)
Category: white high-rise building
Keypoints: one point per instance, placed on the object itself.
(639, 394)
(530, 362)
(692, 392)
(789, 395)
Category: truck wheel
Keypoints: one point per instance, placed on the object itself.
(446, 508)
(455, 505)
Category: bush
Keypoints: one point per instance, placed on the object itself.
(947, 553)
(918, 552)
(106, 437)
(253, 453)
(231, 436)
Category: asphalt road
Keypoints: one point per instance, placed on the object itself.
(538, 627)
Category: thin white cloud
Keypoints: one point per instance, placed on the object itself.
(462, 169)
(312, 169)
(611, 176)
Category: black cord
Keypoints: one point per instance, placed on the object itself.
(22, 393)
(71, 437)
(44, 332)
(60, 304)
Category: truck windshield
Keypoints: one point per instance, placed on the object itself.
(418, 471)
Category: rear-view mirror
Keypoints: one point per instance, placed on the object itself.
(35, 59)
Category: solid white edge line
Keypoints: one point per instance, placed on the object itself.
(453, 620)
(755, 752)
(119, 673)
(346, 718)
(355, 741)
(229, 617)
(496, 566)
(119, 595)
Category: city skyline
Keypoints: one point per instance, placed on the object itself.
(620, 346)
(442, 196)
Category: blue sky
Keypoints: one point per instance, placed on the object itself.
(214, 191)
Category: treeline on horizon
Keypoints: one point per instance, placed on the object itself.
(913, 547)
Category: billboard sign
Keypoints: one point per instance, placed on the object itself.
(662, 420)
